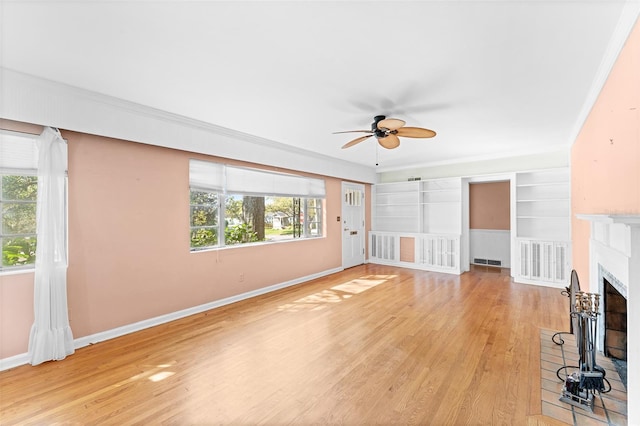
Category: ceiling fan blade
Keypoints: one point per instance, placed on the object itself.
(354, 131)
(415, 132)
(356, 141)
(389, 141)
(390, 123)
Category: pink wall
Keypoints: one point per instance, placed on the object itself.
(16, 313)
(129, 257)
(605, 179)
(489, 205)
(605, 158)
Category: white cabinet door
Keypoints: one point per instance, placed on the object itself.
(542, 261)
(524, 260)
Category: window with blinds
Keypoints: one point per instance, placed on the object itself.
(233, 205)
(18, 196)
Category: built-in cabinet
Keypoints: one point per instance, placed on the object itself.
(433, 252)
(542, 226)
(417, 224)
(543, 261)
(420, 224)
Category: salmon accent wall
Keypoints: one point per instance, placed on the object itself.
(407, 249)
(16, 313)
(129, 257)
(605, 158)
(605, 179)
(489, 205)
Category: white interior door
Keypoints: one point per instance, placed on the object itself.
(353, 237)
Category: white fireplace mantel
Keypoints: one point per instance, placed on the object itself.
(611, 218)
(614, 252)
(615, 246)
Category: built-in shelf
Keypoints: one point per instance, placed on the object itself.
(428, 206)
(423, 209)
(429, 212)
(542, 223)
(543, 204)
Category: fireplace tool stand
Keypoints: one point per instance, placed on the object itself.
(570, 292)
(580, 386)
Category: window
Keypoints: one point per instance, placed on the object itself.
(313, 217)
(18, 196)
(249, 205)
(204, 219)
(18, 234)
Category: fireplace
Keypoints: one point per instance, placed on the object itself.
(614, 318)
(614, 272)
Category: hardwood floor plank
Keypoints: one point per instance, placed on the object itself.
(370, 345)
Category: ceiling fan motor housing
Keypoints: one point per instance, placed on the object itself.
(374, 126)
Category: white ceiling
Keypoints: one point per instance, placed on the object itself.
(492, 78)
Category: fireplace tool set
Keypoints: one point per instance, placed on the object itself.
(580, 387)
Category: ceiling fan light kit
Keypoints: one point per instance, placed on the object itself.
(387, 130)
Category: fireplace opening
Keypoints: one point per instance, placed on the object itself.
(615, 328)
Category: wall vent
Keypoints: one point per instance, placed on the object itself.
(490, 262)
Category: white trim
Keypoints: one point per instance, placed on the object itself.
(626, 22)
(478, 158)
(611, 218)
(34, 100)
(539, 283)
(21, 359)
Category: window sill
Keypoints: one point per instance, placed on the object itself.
(259, 243)
(7, 272)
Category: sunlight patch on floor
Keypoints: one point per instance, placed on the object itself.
(336, 294)
(161, 376)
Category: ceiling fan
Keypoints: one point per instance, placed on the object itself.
(387, 131)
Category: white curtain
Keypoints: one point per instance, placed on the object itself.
(51, 337)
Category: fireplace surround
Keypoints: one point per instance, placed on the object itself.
(614, 256)
(613, 329)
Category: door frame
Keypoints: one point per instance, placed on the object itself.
(360, 187)
(465, 261)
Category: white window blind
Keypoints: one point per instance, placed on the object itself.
(205, 175)
(18, 153)
(246, 181)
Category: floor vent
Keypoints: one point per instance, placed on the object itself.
(490, 262)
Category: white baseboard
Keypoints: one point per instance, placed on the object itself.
(14, 361)
(520, 280)
(21, 359)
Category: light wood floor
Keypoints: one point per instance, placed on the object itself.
(370, 345)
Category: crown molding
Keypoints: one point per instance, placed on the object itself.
(628, 18)
(480, 158)
(31, 99)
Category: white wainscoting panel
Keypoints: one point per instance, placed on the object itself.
(490, 244)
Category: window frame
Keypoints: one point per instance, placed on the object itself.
(17, 161)
(216, 226)
(28, 235)
(219, 185)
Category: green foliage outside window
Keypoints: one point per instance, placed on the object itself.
(250, 219)
(18, 231)
(19, 251)
(204, 219)
(239, 234)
